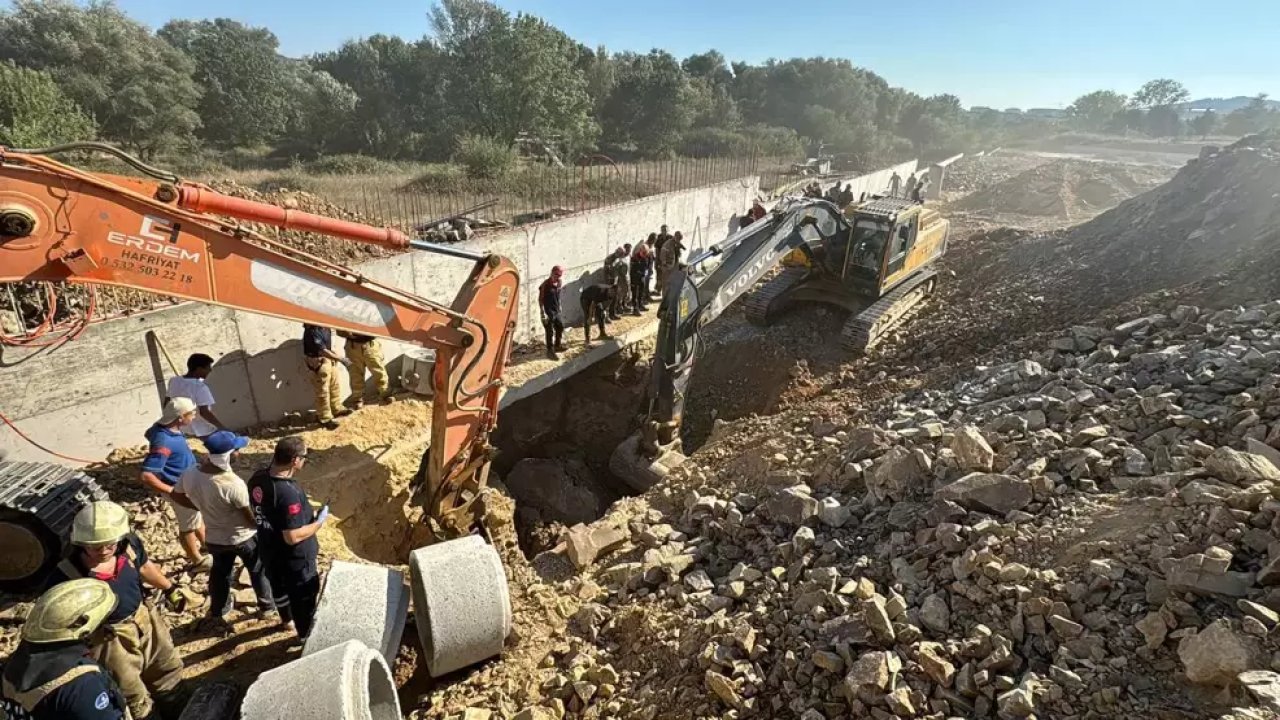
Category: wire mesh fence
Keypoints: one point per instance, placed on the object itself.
(542, 191)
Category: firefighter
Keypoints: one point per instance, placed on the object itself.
(596, 301)
(52, 675)
(364, 352)
(322, 361)
(138, 650)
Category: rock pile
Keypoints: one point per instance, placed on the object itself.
(1091, 531)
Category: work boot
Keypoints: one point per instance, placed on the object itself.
(552, 354)
(388, 399)
(346, 411)
(329, 424)
(606, 336)
(561, 347)
(615, 316)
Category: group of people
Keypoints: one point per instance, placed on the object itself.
(94, 645)
(841, 197)
(916, 190)
(362, 354)
(626, 287)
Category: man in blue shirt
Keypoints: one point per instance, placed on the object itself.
(169, 456)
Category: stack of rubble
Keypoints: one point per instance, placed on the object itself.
(1091, 531)
(1071, 190)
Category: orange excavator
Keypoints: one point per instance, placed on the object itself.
(167, 236)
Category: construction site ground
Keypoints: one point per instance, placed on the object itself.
(720, 603)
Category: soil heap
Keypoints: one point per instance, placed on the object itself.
(1070, 190)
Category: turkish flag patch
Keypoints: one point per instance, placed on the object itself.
(295, 508)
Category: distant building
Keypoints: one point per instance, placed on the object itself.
(1047, 113)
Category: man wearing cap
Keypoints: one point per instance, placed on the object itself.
(138, 650)
(287, 528)
(549, 309)
(230, 529)
(52, 674)
(168, 457)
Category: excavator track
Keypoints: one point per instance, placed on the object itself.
(37, 504)
(864, 330)
(759, 306)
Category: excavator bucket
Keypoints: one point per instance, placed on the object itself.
(641, 470)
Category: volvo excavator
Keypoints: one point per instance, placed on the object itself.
(876, 260)
(59, 223)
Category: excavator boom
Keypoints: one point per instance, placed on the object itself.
(692, 298)
(59, 223)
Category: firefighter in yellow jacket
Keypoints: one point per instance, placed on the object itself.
(52, 674)
(138, 650)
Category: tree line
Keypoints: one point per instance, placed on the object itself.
(1154, 109)
(482, 79)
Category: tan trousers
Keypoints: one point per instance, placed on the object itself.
(140, 656)
(366, 356)
(324, 380)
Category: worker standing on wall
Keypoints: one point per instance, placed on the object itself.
(895, 184)
(549, 308)
(364, 353)
(168, 457)
(52, 675)
(287, 528)
(138, 651)
(192, 386)
(669, 259)
(596, 301)
(222, 498)
(618, 274)
(322, 361)
(640, 263)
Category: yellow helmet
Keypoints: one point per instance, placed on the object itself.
(99, 523)
(72, 610)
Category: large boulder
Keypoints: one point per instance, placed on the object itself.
(560, 490)
(988, 492)
(896, 475)
(1217, 654)
(792, 506)
(1241, 468)
(971, 449)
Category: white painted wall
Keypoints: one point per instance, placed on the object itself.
(101, 391)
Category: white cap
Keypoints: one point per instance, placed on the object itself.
(176, 408)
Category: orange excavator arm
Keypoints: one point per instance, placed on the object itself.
(59, 223)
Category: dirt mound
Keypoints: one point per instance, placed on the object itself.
(974, 173)
(1066, 189)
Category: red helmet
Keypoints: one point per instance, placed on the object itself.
(557, 271)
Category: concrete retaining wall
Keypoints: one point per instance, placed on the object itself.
(102, 391)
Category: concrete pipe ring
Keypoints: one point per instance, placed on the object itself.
(345, 682)
(461, 603)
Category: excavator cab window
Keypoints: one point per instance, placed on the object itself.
(903, 238)
(869, 239)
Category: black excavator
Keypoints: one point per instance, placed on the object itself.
(877, 260)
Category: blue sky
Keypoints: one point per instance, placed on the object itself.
(1000, 53)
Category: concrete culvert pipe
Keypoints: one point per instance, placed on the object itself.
(345, 682)
(460, 601)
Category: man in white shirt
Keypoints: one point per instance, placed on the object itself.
(222, 498)
(193, 387)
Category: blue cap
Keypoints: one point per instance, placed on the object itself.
(225, 441)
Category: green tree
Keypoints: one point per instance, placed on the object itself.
(510, 75)
(1205, 123)
(1096, 110)
(34, 112)
(709, 66)
(650, 106)
(1257, 116)
(1164, 121)
(139, 88)
(321, 112)
(241, 73)
(1161, 92)
(399, 112)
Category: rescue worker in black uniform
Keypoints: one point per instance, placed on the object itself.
(52, 675)
(549, 309)
(287, 528)
(596, 301)
(138, 650)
